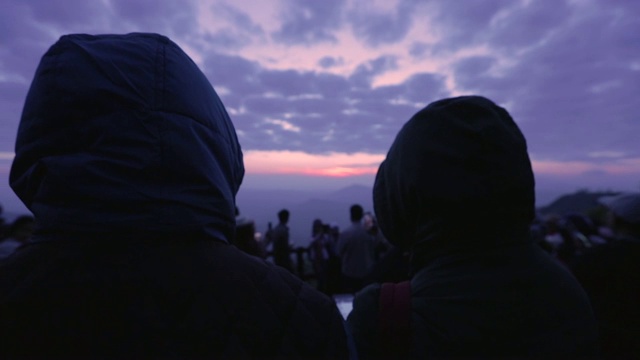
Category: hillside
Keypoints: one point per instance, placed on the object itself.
(579, 202)
(263, 205)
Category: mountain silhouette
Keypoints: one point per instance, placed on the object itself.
(333, 207)
(580, 202)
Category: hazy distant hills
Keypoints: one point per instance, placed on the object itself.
(579, 202)
(354, 194)
(305, 206)
(333, 207)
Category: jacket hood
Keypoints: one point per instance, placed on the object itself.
(457, 176)
(123, 134)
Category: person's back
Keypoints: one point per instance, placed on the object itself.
(161, 298)
(356, 250)
(281, 245)
(509, 302)
(130, 164)
(456, 190)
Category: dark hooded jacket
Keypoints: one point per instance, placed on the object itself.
(457, 191)
(130, 164)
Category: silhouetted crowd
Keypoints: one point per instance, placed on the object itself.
(333, 261)
(601, 249)
(130, 165)
(15, 234)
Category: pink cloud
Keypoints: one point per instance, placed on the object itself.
(569, 168)
(356, 164)
(340, 171)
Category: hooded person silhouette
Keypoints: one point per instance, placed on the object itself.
(130, 164)
(456, 190)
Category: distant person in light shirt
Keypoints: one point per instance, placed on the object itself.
(356, 250)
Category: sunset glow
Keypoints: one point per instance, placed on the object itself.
(345, 165)
(569, 168)
(297, 162)
(317, 90)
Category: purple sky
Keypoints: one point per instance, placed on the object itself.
(317, 90)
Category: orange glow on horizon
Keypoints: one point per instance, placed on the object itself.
(340, 165)
(342, 171)
(301, 163)
(337, 171)
(569, 168)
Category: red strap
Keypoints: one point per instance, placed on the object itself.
(395, 319)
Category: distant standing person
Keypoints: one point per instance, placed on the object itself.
(356, 250)
(333, 270)
(319, 252)
(279, 236)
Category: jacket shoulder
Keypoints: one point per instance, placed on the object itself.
(363, 320)
(193, 300)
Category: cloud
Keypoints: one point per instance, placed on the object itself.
(226, 38)
(23, 39)
(242, 21)
(285, 125)
(606, 154)
(328, 111)
(461, 24)
(172, 18)
(329, 62)
(471, 68)
(365, 73)
(66, 12)
(234, 28)
(348, 73)
(288, 82)
(570, 87)
(380, 26)
(419, 49)
(12, 95)
(309, 21)
(560, 176)
(528, 24)
(237, 74)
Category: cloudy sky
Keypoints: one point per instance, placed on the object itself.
(317, 89)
